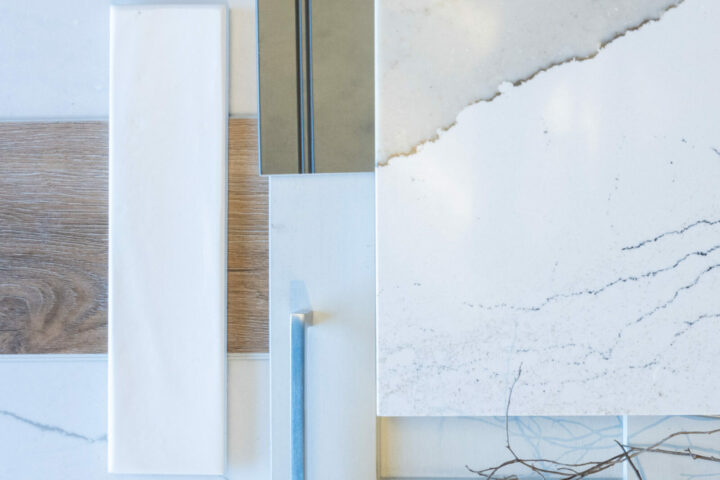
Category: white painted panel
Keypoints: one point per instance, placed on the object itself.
(322, 240)
(168, 243)
(53, 418)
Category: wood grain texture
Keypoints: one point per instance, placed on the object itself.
(248, 263)
(53, 239)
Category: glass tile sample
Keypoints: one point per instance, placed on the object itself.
(646, 431)
(450, 447)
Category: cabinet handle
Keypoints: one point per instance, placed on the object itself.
(298, 324)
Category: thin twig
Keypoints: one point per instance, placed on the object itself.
(637, 472)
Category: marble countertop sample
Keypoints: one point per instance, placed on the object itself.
(566, 225)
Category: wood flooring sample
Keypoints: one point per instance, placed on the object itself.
(53, 237)
(248, 258)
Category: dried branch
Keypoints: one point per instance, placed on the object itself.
(637, 472)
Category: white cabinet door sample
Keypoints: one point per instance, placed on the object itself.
(167, 279)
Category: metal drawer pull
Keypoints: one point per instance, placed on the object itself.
(298, 324)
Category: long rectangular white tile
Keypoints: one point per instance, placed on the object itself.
(53, 418)
(167, 239)
(567, 225)
(54, 62)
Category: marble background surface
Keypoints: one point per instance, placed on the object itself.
(53, 418)
(571, 226)
(53, 425)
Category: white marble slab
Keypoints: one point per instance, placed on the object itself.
(167, 252)
(53, 418)
(569, 225)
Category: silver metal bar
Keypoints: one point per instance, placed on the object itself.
(305, 100)
(298, 324)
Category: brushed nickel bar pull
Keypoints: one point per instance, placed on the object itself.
(298, 325)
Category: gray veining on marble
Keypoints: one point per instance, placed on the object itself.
(43, 427)
(571, 226)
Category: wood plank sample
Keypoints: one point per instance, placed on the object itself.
(53, 238)
(247, 242)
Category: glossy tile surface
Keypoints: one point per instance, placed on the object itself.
(569, 226)
(168, 239)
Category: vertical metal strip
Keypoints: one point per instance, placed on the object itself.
(300, 49)
(310, 125)
(305, 101)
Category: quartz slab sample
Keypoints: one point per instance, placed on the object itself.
(167, 249)
(482, 44)
(569, 227)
